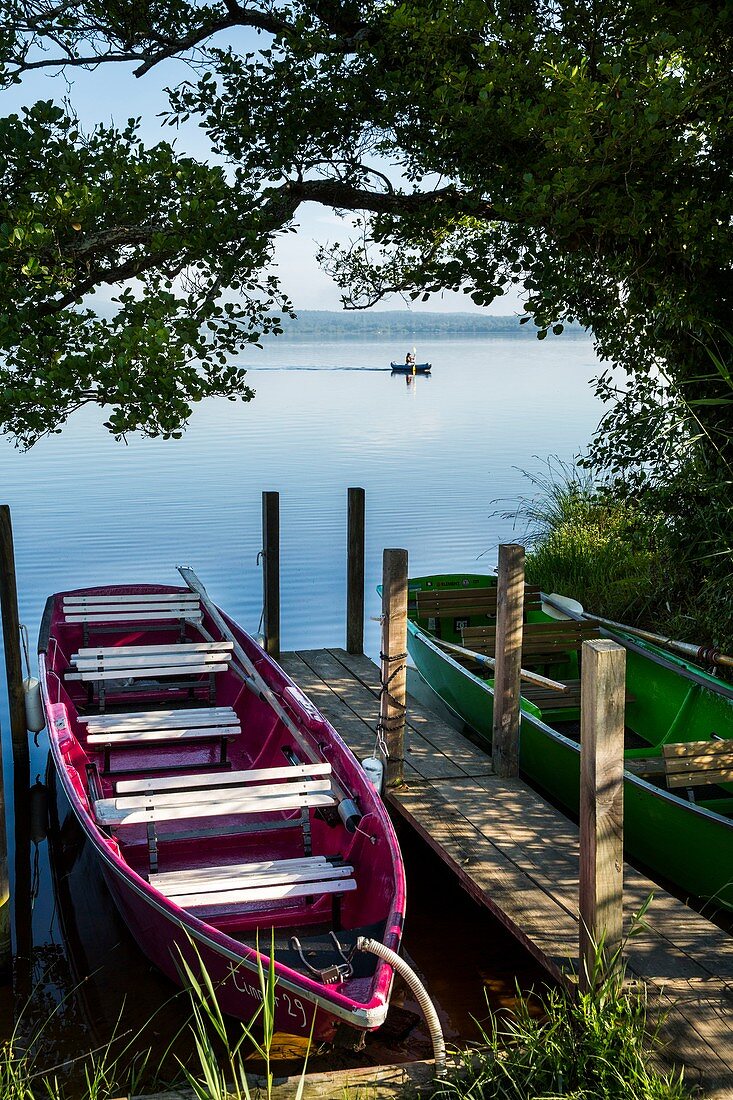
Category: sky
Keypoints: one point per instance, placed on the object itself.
(113, 94)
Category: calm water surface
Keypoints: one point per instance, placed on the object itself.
(440, 458)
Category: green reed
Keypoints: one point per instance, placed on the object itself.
(595, 1045)
(113, 1069)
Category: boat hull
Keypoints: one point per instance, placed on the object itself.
(235, 948)
(411, 368)
(689, 845)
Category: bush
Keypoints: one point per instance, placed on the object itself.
(652, 553)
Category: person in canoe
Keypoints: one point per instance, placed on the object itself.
(410, 359)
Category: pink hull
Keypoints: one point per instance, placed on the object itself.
(237, 984)
(225, 936)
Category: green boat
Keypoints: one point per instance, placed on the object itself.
(678, 821)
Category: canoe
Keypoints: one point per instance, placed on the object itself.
(670, 702)
(411, 368)
(223, 808)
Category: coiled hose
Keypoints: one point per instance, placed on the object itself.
(373, 947)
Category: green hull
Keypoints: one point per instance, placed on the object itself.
(689, 844)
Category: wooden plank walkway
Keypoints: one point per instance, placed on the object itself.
(519, 856)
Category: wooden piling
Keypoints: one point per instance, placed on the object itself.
(355, 573)
(11, 639)
(509, 616)
(271, 571)
(6, 950)
(394, 663)
(603, 695)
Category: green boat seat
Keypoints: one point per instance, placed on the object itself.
(547, 699)
(434, 603)
(542, 643)
(694, 763)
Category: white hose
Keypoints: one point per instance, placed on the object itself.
(373, 947)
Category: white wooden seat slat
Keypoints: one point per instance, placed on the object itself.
(179, 660)
(134, 597)
(264, 893)
(121, 739)
(181, 882)
(121, 673)
(132, 616)
(126, 608)
(110, 815)
(201, 876)
(141, 650)
(160, 719)
(209, 779)
(154, 799)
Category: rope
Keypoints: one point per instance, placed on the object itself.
(389, 725)
(24, 640)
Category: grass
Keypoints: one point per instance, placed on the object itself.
(591, 1046)
(652, 556)
(596, 1045)
(220, 1054)
(586, 544)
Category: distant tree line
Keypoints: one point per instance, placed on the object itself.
(402, 324)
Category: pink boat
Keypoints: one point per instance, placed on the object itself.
(222, 805)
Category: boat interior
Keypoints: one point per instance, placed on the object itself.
(226, 808)
(679, 734)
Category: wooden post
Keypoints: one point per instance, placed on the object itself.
(509, 617)
(602, 702)
(394, 663)
(6, 950)
(271, 571)
(355, 573)
(11, 639)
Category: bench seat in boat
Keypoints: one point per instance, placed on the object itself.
(547, 699)
(124, 665)
(139, 728)
(136, 662)
(142, 607)
(695, 763)
(542, 643)
(236, 884)
(204, 795)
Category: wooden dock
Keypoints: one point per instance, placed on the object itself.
(518, 856)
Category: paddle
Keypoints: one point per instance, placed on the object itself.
(563, 607)
(260, 688)
(482, 659)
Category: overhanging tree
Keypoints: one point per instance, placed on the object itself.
(580, 150)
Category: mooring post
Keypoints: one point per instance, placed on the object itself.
(271, 572)
(602, 702)
(509, 618)
(6, 950)
(355, 573)
(394, 663)
(11, 640)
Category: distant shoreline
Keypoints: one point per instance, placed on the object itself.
(406, 325)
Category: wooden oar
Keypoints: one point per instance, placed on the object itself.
(564, 607)
(490, 662)
(255, 682)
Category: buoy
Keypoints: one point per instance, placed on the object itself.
(35, 718)
(374, 769)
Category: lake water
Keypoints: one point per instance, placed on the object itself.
(440, 459)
